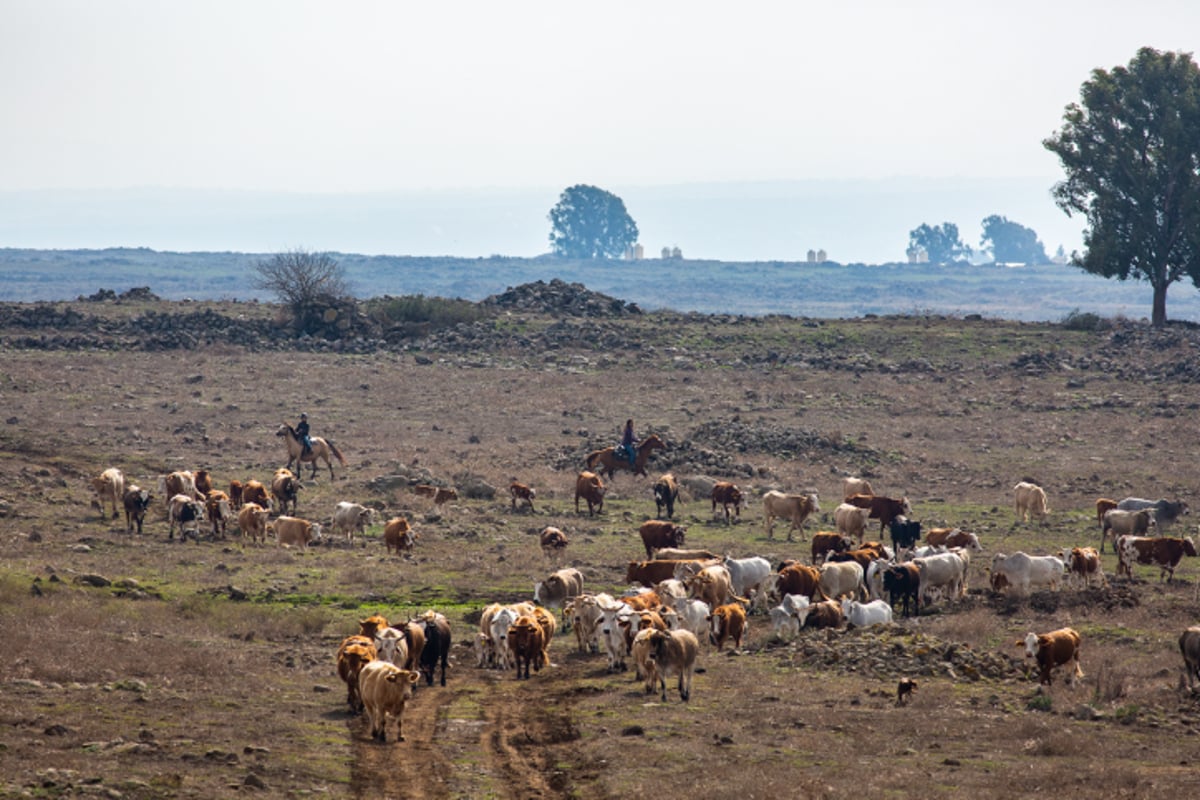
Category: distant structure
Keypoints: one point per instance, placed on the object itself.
(917, 255)
(817, 257)
(812, 256)
(672, 253)
(635, 252)
(666, 253)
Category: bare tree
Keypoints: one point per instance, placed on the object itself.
(307, 283)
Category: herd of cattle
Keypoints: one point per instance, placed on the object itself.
(680, 598)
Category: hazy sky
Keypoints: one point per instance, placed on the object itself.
(383, 96)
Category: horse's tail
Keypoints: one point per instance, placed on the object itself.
(336, 453)
(591, 458)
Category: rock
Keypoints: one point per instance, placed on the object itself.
(93, 580)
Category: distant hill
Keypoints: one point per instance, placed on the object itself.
(829, 290)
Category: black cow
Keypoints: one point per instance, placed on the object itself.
(437, 646)
(905, 533)
(902, 582)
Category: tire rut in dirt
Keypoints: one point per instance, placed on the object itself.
(417, 768)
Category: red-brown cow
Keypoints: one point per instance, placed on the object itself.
(658, 534)
(801, 579)
(1052, 650)
(1083, 564)
(728, 622)
(1103, 506)
(1164, 552)
(884, 509)
(519, 491)
(526, 641)
(589, 486)
(354, 653)
(398, 535)
(255, 492)
(727, 494)
(824, 542)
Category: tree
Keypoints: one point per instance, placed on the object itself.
(1131, 152)
(942, 244)
(309, 284)
(1010, 242)
(590, 223)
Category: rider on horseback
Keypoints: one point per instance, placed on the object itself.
(627, 442)
(302, 435)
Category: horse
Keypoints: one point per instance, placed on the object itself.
(610, 461)
(320, 450)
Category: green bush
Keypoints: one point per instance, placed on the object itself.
(416, 311)
(1077, 320)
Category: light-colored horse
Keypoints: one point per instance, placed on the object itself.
(610, 461)
(320, 450)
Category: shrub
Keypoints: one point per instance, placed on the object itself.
(416, 313)
(1077, 320)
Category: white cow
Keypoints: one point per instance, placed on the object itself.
(746, 573)
(351, 518)
(584, 612)
(851, 520)
(944, 570)
(842, 578)
(864, 615)
(391, 645)
(1023, 572)
(612, 635)
(789, 615)
(874, 578)
(693, 614)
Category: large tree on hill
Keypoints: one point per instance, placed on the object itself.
(941, 243)
(1131, 152)
(589, 222)
(1011, 243)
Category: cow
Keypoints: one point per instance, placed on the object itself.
(1054, 649)
(392, 645)
(1023, 572)
(350, 518)
(558, 587)
(641, 600)
(216, 507)
(437, 645)
(840, 579)
(1029, 499)
(294, 532)
(440, 495)
(369, 626)
(584, 613)
(660, 533)
(188, 513)
(825, 542)
(795, 508)
(953, 537)
(414, 636)
(670, 588)
(252, 522)
(864, 615)
(385, 690)
(884, 509)
(786, 617)
(519, 491)
(666, 495)
(1189, 648)
(648, 573)
(135, 500)
(179, 482)
(1127, 523)
(851, 520)
(354, 653)
(1103, 506)
(825, 614)
(1166, 512)
(727, 494)
(712, 584)
(905, 533)
(677, 554)
(902, 583)
(692, 614)
(285, 490)
(746, 574)
(853, 486)
(235, 494)
(863, 556)
(728, 622)
(255, 492)
(553, 542)
(948, 570)
(1164, 552)
(801, 579)
(110, 488)
(498, 622)
(203, 480)
(1083, 563)
(673, 653)
(398, 535)
(590, 487)
(612, 635)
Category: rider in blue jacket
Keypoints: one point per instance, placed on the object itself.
(627, 442)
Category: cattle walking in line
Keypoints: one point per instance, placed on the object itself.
(385, 690)
(1029, 500)
(136, 500)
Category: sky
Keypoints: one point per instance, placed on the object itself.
(323, 101)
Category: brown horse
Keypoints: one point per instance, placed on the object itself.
(320, 450)
(609, 461)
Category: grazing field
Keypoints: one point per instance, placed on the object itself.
(141, 666)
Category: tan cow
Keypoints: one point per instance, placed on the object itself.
(353, 654)
(853, 486)
(590, 487)
(1030, 501)
(294, 532)
(851, 520)
(252, 522)
(673, 652)
(110, 488)
(728, 622)
(795, 508)
(385, 690)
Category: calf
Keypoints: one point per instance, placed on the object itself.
(135, 501)
(673, 653)
(438, 494)
(728, 622)
(666, 494)
(386, 689)
(553, 542)
(398, 535)
(1053, 650)
(658, 533)
(727, 494)
(953, 537)
(519, 491)
(252, 522)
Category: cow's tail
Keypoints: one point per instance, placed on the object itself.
(336, 453)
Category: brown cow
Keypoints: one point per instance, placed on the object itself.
(180, 482)
(285, 489)
(439, 494)
(728, 622)
(590, 487)
(801, 579)
(826, 614)
(354, 653)
(727, 494)
(235, 494)
(660, 533)
(1054, 649)
(520, 491)
(372, 625)
(216, 506)
(255, 492)
(1082, 564)
(203, 480)
(1103, 506)
(252, 522)
(1164, 552)
(953, 537)
(526, 642)
(884, 509)
(824, 542)
(398, 535)
(649, 573)
(386, 689)
(553, 542)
